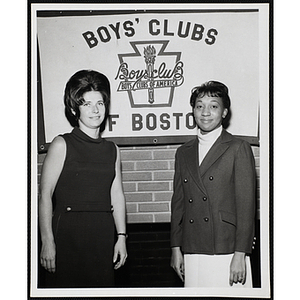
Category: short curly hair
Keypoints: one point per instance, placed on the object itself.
(211, 89)
(81, 82)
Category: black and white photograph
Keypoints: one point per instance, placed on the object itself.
(150, 149)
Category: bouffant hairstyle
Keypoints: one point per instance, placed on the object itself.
(81, 82)
(213, 89)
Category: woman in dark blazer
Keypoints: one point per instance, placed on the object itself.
(213, 204)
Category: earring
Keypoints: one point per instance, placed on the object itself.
(74, 114)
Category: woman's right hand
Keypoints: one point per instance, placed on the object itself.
(48, 254)
(177, 262)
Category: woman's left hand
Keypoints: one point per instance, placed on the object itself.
(120, 252)
(237, 268)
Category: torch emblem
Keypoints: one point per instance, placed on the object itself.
(149, 55)
(139, 78)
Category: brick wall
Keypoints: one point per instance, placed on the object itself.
(147, 173)
(147, 180)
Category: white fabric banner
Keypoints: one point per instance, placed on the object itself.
(153, 60)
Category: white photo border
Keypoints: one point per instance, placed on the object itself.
(265, 196)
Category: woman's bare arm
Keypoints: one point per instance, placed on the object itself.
(52, 168)
(119, 214)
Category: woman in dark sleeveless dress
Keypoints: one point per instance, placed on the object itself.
(82, 201)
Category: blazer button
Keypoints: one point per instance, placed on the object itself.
(191, 221)
(204, 198)
(185, 180)
(206, 219)
(191, 200)
(210, 178)
(69, 208)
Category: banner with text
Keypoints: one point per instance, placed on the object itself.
(153, 60)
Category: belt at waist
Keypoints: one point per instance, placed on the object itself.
(88, 208)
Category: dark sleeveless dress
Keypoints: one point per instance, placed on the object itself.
(83, 224)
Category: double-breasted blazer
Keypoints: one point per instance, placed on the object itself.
(213, 206)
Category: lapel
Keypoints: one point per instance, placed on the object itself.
(191, 157)
(192, 161)
(217, 149)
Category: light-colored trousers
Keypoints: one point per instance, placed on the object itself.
(203, 270)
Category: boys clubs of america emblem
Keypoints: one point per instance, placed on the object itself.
(150, 74)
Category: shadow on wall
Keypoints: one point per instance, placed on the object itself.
(148, 263)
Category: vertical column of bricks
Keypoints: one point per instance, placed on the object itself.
(147, 174)
(40, 161)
